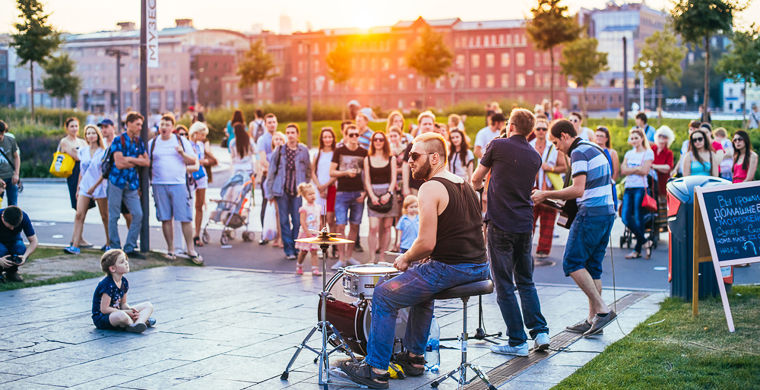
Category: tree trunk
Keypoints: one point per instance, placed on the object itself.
(706, 103)
(583, 104)
(659, 98)
(744, 107)
(424, 94)
(31, 73)
(551, 72)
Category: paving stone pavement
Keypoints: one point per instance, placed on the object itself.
(228, 329)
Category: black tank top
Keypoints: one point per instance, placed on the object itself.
(459, 238)
(380, 175)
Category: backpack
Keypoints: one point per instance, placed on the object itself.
(106, 163)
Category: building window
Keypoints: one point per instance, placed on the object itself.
(504, 59)
(401, 84)
(477, 41)
(490, 81)
(504, 80)
(547, 58)
(402, 44)
(509, 40)
(537, 59)
(520, 80)
(460, 61)
(475, 81)
(475, 60)
(490, 60)
(547, 79)
(520, 59)
(386, 64)
(401, 63)
(486, 41)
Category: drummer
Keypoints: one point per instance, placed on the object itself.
(449, 251)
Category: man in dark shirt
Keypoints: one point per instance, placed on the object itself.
(13, 252)
(347, 164)
(449, 251)
(513, 164)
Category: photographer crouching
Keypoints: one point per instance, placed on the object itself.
(13, 252)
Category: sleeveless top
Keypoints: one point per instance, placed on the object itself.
(459, 238)
(381, 175)
(739, 173)
(701, 169)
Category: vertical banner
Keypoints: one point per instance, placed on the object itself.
(152, 34)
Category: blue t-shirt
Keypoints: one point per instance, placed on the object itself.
(514, 165)
(108, 286)
(128, 177)
(9, 237)
(588, 159)
(265, 144)
(366, 138)
(410, 228)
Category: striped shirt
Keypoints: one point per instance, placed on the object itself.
(588, 159)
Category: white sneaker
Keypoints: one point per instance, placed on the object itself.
(353, 261)
(338, 265)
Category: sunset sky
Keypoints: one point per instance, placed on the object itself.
(80, 16)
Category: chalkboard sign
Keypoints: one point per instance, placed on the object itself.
(731, 214)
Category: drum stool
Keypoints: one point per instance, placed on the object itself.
(464, 292)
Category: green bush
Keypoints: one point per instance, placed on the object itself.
(37, 143)
(44, 116)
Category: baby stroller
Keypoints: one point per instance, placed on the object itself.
(233, 209)
(652, 222)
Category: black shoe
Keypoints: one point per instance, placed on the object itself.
(358, 247)
(13, 276)
(362, 373)
(263, 242)
(2, 278)
(406, 362)
(151, 322)
(135, 255)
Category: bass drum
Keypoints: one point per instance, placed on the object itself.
(352, 317)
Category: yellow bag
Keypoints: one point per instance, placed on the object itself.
(62, 165)
(556, 180)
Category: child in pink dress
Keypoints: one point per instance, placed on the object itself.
(310, 213)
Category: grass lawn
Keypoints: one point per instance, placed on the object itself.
(49, 265)
(672, 350)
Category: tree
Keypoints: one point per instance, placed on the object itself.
(61, 80)
(581, 62)
(34, 39)
(257, 65)
(429, 57)
(743, 61)
(339, 67)
(699, 20)
(550, 27)
(662, 56)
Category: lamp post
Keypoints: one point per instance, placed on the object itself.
(625, 82)
(308, 94)
(117, 53)
(145, 231)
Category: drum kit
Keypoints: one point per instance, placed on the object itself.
(345, 309)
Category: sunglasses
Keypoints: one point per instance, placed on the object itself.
(413, 156)
(379, 139)
(738, 140)
(541, 128)
(699, 139)
(182, 134)
(352, 135)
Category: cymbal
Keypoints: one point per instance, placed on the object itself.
(319, 240)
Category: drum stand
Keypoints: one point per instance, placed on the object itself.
(323, 326)
(480, 333)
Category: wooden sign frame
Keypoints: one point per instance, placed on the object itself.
(704, 247)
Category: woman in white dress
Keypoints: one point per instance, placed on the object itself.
(198, 132)
(90, 188)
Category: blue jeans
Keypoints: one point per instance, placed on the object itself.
(633, 218)
(288, 211)
(511, 259)
(18, 248)
(132, 200)
(345, 202)
(414, 288)
(587, 243)
(11, 191)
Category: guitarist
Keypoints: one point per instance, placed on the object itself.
(590, 230)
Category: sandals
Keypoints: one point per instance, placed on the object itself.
(197, 242)
(170, 256)
(406, 361)
(633, 255)
(362, 373)
(196, 258)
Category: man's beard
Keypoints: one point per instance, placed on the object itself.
(422, 172)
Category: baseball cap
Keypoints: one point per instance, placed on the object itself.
(105, 122)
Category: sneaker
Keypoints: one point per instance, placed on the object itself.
(136, 328)
(151, 322)
(600, 322)
(315, 271)
(72, 250)
(263, 242)
(338, 265)
(506, 349)
(105, 248)
(581, 327)
(290, 257)
(358, 247)
(135, 255)
(299, 270)
(541, 342)
(353, 261)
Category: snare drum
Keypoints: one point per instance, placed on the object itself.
(353, 317)
(360, 280)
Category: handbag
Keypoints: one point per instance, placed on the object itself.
(62, 164)
(649, 202)
(381, 207)
(554, 177)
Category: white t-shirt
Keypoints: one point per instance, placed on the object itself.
(243, 163)
(684, 150)
(637, 159)
(550, 157)
(727, 165)
(484, 137)
(169, 166)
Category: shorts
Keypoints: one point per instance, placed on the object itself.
(101, 321)
(587, 244)
(331, 191)
(345, 202)
(172, 202)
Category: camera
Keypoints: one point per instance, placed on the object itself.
(15, 258)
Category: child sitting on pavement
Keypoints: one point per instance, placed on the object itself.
(109, 302)
(409, 224)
